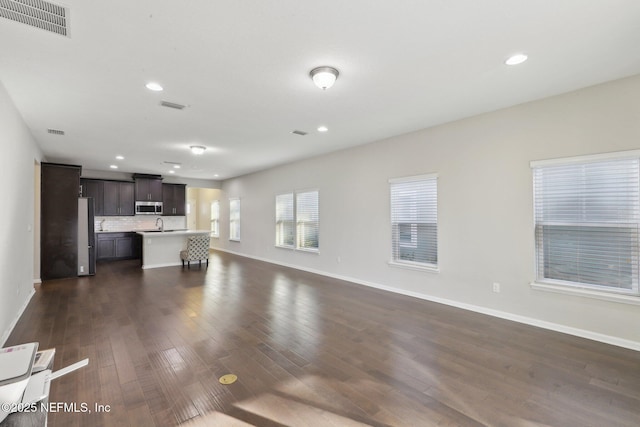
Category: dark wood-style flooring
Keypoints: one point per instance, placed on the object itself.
(309, 351)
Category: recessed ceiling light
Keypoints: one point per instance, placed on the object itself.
(176, 166)
(119, 158)
(516, 59)
(197, 149)
(114, 166)
(154, 86)
(172, 171)
(323, 129)
(216, 175)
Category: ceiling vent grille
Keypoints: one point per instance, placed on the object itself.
(299, 132)
(171, 104)
(54, 131)
(37, 13)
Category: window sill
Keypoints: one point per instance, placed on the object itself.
(588, 293)
(291, 248)
(417, 267)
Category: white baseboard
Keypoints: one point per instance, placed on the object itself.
(168, 264)
(595, 336)
(14, 322)
(37, 281)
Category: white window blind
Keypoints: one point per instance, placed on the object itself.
(234, 219)
(586, 224)
(307, 219)
(297, 220)
(414, 220)
(215, 218)
(285, 222)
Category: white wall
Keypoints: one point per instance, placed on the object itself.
(202, 198)
(205, 197)
(19, 152)
(485, 207)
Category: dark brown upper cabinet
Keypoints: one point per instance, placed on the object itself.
(119, 198)
(148, 189)
(174, 199)
(94, 188)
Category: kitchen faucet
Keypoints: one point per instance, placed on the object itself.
(161, 227)
(102, 225)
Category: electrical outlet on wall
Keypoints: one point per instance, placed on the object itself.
(496, 287)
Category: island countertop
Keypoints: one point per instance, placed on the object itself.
(162, 248)
(179, 232)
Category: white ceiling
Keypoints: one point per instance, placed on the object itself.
(242, 67)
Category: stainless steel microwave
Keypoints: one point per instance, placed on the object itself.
(148, 208)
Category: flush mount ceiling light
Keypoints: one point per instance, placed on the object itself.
(324, 77)
(197, 149)
(516, 59)
(154, 86)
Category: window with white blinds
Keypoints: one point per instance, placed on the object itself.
(215, 218)
(297, 220)
(285, 221)
(414, 221)
(586, 223)
(234, 219)
(307, 220)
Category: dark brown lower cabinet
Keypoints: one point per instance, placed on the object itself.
(115, 246)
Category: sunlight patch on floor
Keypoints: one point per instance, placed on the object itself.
(290, 412)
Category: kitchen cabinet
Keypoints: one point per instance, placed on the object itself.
(94, 188)
(173, 199)
(148, 189)
(118, 198)
(59, 191)
(115, 246)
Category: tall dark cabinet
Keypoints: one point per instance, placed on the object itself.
(60, 186)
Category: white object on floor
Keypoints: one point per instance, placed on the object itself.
(15, 371)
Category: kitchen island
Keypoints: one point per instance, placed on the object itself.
(162, 248)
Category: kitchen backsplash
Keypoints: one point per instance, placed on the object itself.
(138, 222)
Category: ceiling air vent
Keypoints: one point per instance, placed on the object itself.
(299, 132)
(53, 131)
(171, 104)
(37, 13)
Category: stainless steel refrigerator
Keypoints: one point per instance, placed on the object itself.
(86, 237)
